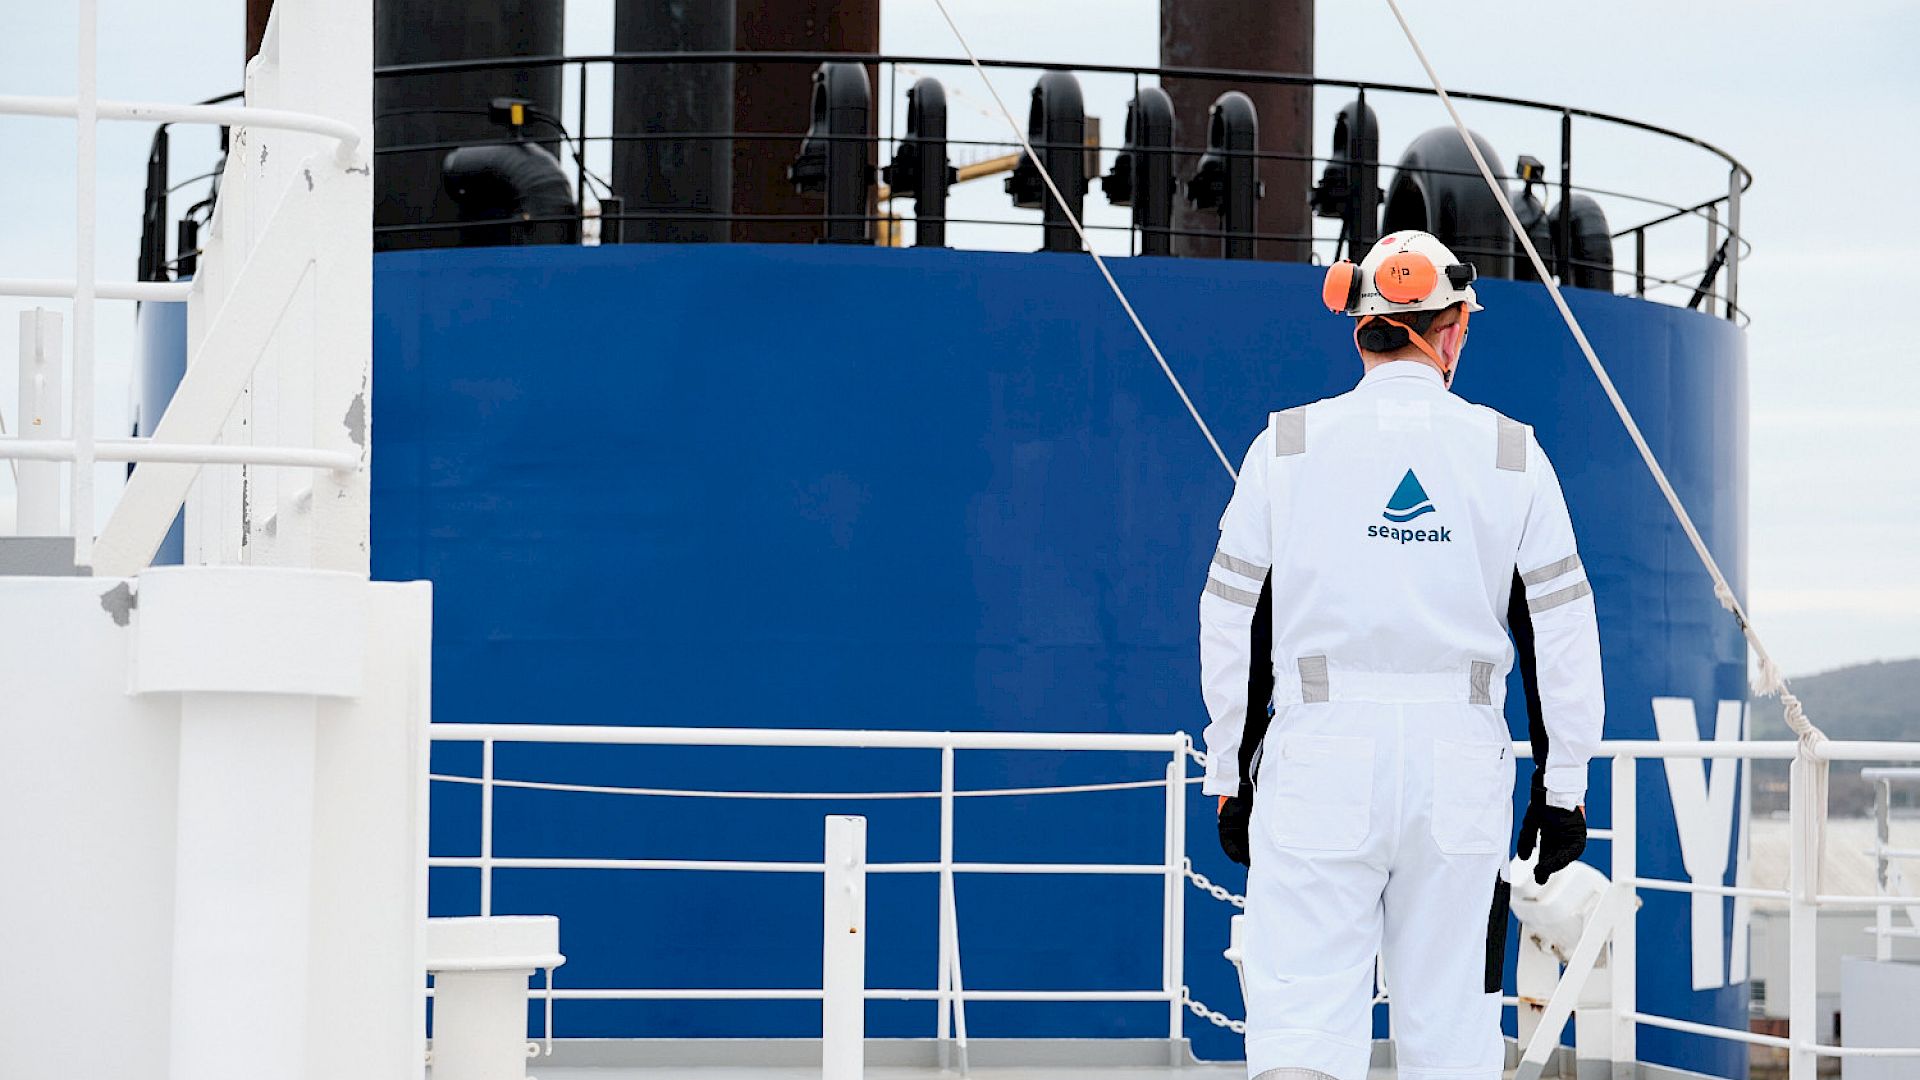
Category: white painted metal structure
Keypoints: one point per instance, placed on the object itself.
(480, 968)
(37, 484)
(1889, 877)
(843, 953)
(214, 773)
(1611, 931)
(279, 320)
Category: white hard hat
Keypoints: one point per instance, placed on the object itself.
(1406, 271)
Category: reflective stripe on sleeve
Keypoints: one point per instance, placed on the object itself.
(1552, 600)
(1551, 570)
(1239, 566)
(1512, 452)
(1229, 593)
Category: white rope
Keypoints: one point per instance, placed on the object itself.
(1074, 220)
(1769, 680)
(702, 793)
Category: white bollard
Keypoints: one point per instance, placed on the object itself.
(37, 510)
(1552, 918)
(1236, 952)
(480, 967)
(843, 1006)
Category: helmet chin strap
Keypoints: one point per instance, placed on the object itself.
(1445, 365)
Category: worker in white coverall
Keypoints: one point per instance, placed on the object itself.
(1378, 549)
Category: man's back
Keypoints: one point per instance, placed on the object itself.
(1396, 524)
(1390, 526)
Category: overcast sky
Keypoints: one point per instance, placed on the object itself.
(1818, 99)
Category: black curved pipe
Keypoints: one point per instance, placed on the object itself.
(833, 157)
(1142, 175)
(919, 169)
(1227, 180)
(1057, 128)
(505, 190)
(1349, 188)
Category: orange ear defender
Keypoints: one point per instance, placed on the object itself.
(1341, 290)
(1406, 278)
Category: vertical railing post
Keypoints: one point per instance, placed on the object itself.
(1806, 806)
(486, 827)
(950, 910)
(1733, 243)
(1169, 893)
(1178, 1007)
(959, 984)
(37, 506)
(1133, 220)
(1624, 966)
(580, 161)
(843, 980)
(1363, 192)
(1563, 222)
(1640, 262)
(947, 912)
(86, 128)
(1882, 826)
(1713, 253)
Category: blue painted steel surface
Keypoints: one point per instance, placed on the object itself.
(163, 361)
(810, 486)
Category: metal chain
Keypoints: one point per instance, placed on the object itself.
(1224, 895)
(1211, 1016)
(1206, 885)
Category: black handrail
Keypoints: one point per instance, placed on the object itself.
(445, 67)
(1740, 177)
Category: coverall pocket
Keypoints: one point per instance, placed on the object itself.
(1472, 788)
(1320, 789)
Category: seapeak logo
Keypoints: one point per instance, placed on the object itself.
(1409, 501)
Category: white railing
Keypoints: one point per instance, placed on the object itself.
(1888, 878)
(949, 992)
(328, 77)
(1807, 814)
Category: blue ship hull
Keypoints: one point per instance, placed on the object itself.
(792, 486)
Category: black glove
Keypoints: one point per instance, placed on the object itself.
(1235, 813)
(1561, 834)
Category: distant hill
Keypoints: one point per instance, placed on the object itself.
(1880, 700)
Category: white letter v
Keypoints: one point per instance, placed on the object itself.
(1703, 816)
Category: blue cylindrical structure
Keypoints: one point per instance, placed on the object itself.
(799, 487)
(162, 328)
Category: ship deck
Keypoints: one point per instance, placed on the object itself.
(917, 1059)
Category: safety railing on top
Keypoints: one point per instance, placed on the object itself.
(1614, 928)
(85, 289)
(1699, 273)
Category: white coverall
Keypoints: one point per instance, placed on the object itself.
(1391, 523)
